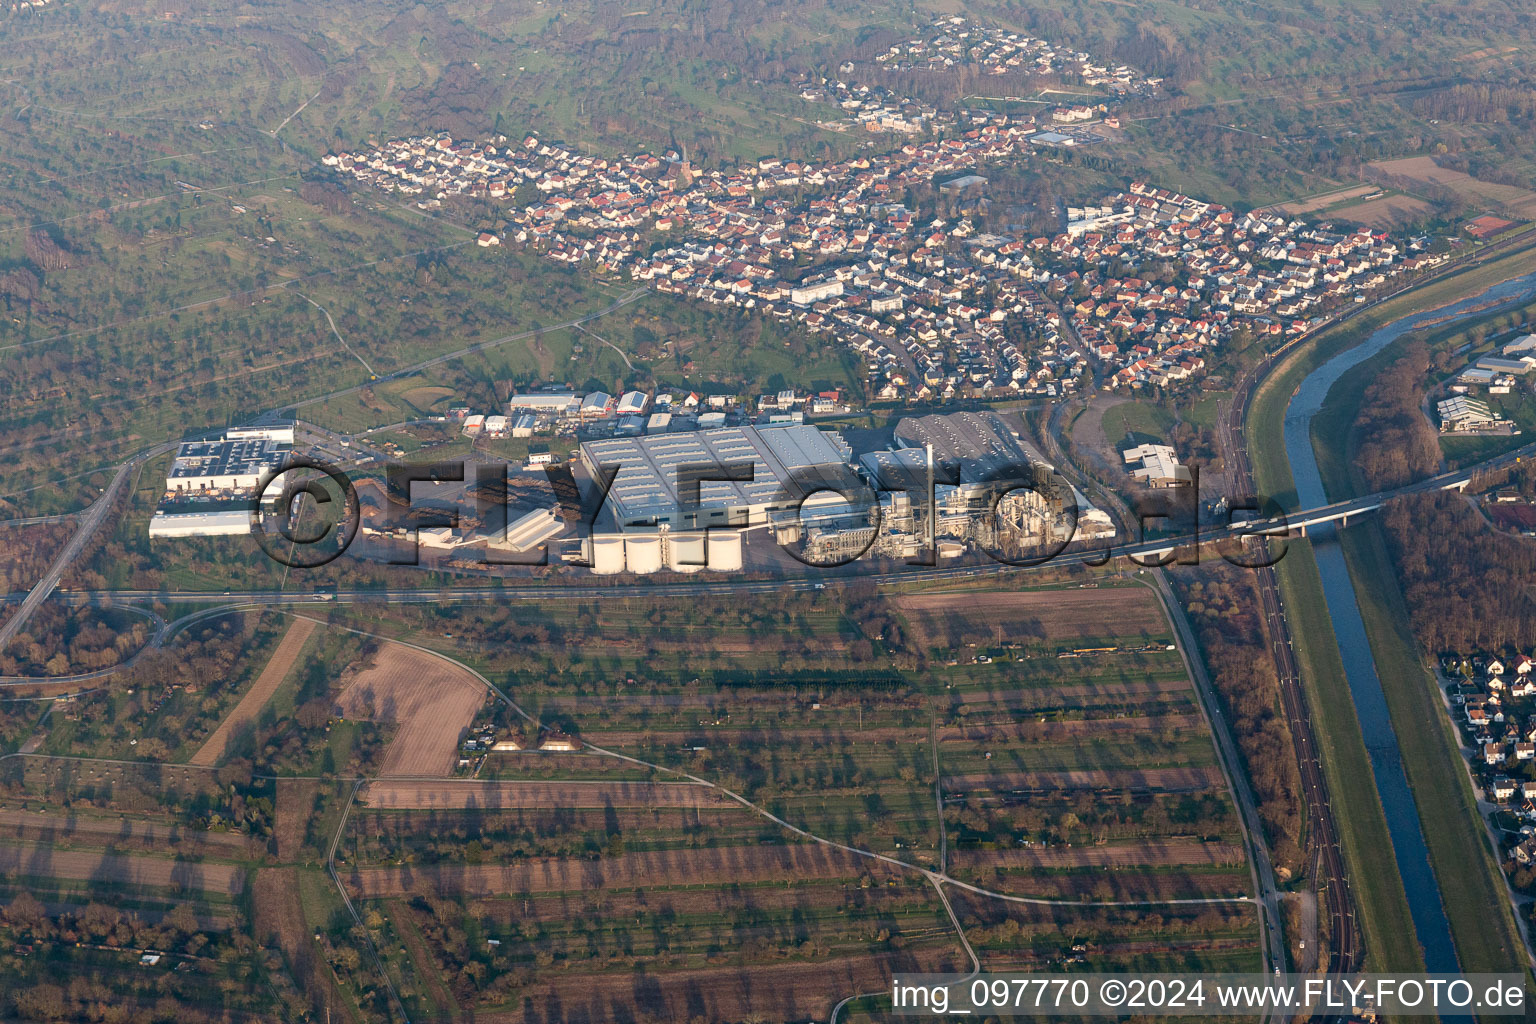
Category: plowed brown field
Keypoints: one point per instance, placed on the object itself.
(42, 861)
(433, 700)
(947, 618)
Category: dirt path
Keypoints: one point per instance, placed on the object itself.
(427, 965)
(261, 691)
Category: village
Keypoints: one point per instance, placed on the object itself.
(937, 309)
(956, 43)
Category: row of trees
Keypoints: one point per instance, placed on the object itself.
(1223, 608)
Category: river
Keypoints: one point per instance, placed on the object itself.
(1397, 798)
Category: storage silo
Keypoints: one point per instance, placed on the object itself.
(643, 553)
(724, 548)
(607, 554)
(685, 552)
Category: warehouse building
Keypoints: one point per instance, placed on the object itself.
(786, 464)
(228, 523)
(1466, 415)
(529, 531)
(985, 456)
(550, 403)
(979, 447)
(235, 463)
(1156, 465)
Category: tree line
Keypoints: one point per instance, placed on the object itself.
(1467, 587)
(1223, 609)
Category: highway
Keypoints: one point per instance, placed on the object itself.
(1346, 953)
(1345, 950)
(90, 520)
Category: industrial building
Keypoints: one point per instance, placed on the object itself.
(987, 459)
(550, 403)
(596, 406)
(529, 531)
(642, 553)
(233, 464)
(977, 447)
(226, 523)
(786, 463)
(1157, 465)
(1461, 415)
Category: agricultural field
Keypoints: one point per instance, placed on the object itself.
(1520, 202)
(261, 691)
(703, 794)
(1044, 744)
(100, 864)
(431, 701)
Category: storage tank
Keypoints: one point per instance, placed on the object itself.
(685, 552)
(607, 554)
(643, 553)
(724, 550)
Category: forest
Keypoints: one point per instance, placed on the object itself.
(1396, 443)
(1468, 587)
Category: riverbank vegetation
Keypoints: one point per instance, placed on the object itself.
(1372, 434)
(1397, 445)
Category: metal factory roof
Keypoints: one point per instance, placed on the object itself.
(786, 462)
(981, 445)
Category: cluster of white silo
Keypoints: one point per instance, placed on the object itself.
(644, 553)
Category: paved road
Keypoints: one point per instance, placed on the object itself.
(1147, 554)
(38, 520)
(89, 521)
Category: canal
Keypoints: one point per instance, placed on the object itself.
(1397, 798)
